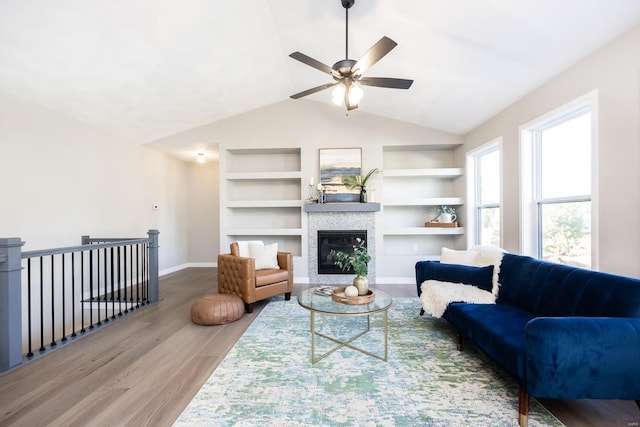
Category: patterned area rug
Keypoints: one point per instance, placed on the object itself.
(267, 378)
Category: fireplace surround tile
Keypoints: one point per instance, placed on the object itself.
(340, 221)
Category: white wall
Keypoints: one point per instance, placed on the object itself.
(204, 213)
(614, 72)
(311, 126)
(61, 178)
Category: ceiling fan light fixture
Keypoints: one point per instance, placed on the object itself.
(355, 94)
(337, 95)
(347, 72)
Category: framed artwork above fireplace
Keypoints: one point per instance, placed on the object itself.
(334, 164)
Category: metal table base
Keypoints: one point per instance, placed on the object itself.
(348, 342)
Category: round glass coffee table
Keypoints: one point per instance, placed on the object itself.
(319, 302)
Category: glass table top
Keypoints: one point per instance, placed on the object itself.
(313, 299)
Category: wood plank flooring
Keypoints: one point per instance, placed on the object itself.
(145, 369)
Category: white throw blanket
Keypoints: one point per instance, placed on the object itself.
(437, 295)
(490, 255)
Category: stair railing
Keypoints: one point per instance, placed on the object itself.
(51, 297)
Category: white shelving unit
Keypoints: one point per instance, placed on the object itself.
(434, 172)
(260, 197)
(417, 179)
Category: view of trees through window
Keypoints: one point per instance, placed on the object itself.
(564, 189)
(566, 233)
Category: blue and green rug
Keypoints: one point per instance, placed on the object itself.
(267, 378)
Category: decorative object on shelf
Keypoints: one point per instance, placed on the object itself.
(358, 261)
(357, 182)
(336, 163)
(322, 196)
(441, 224)
(446, 214)
(313, 195)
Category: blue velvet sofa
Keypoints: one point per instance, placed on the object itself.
(561, 332)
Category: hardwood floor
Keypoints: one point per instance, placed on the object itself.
(145, 369)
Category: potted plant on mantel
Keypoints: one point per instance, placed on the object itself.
(359, 261)
(354, 182)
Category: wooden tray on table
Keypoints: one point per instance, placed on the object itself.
(339, 296)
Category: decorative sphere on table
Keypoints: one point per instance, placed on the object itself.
(351, 291)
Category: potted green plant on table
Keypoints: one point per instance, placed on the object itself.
(359, 261)
(354, 182)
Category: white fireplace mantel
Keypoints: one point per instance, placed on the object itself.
(342, 207)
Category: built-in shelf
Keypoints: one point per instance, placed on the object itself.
(240, 176)
(423, 231)
(265, 231)
(264, 203)
(261, 196)
(416, 179)
(429, 201)
(446, 173)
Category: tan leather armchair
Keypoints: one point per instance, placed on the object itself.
(237, 275)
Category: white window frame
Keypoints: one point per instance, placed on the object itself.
(473, 189)
(530, 203)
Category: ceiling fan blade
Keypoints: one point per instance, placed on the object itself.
(386, 82)
(313, 90)
(373, 55)
(314, 63)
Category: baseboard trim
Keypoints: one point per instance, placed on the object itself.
(187, 265)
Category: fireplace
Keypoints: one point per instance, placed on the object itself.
(340, 216)
(336, 240)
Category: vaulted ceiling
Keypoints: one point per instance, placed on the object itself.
(145, 69)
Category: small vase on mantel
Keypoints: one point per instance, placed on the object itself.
(363, 195)
(362, 284)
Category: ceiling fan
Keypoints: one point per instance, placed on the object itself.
(347, 73)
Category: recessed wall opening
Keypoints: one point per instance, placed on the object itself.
(337, 240)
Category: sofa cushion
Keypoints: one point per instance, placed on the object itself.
(436, 296)
(477, 256)
(480, 277)
(499, 330)
(549, 289)
(452, 256)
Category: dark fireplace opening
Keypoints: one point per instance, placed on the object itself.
(337, 240)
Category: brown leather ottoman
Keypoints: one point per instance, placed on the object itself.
(217, 309)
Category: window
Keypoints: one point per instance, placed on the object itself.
(485, 167)
(559, 201)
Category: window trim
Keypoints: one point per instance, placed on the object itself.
(473, 192)
(530, 207)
